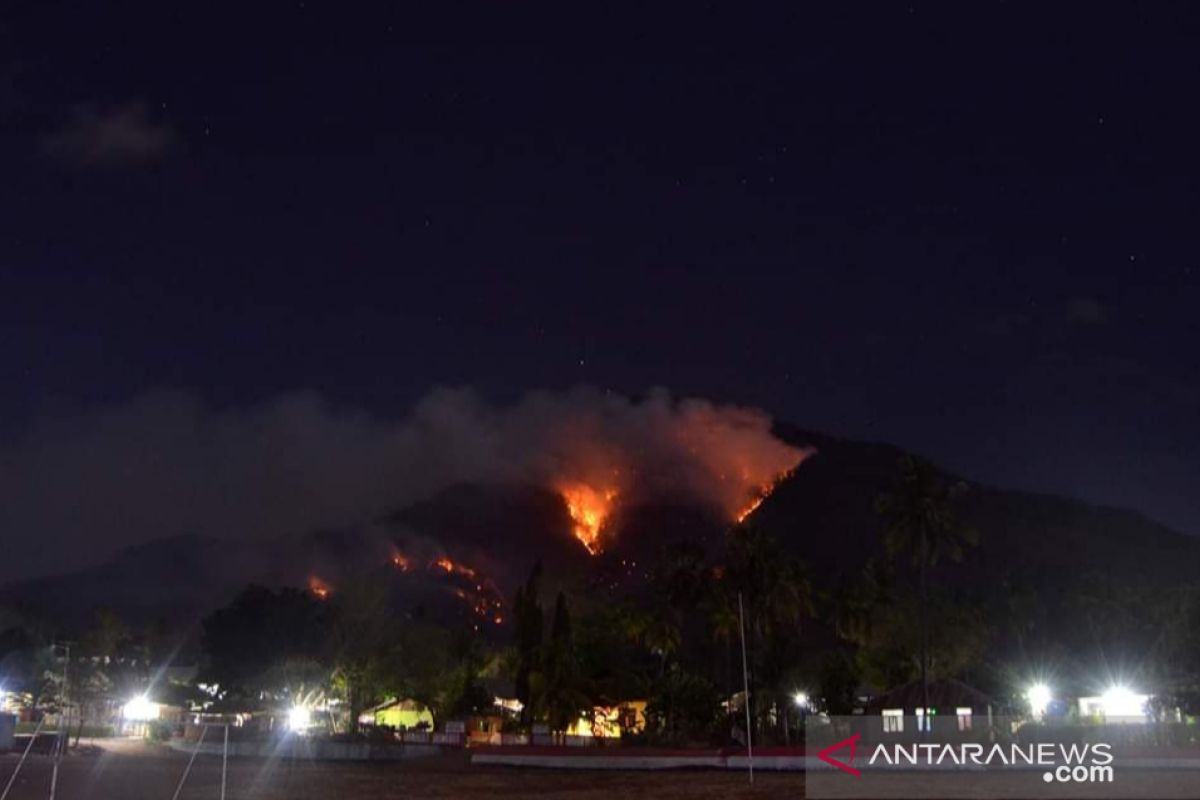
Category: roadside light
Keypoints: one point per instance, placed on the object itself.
(1121, 701)
(1039, 697)
(299, 719)
(801, 699)
(140, 709)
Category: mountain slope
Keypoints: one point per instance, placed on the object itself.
(824, 513)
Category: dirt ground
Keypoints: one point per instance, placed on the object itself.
(133, 770)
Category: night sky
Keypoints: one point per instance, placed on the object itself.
(967, 229)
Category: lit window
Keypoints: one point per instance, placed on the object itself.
(964, 718)
(893, 720)
(924, 723)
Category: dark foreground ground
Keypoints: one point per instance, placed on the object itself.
(132, 770)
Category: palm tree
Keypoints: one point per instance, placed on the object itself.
(777, 590)
(682, 576)
(528, 618)
(919, 513)
(778, 595)
(557, 687)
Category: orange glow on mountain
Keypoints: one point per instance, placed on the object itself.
(589, 510)
(319, 588)
(444, 563)
(466, 583)
(762, 494)
(749, 509)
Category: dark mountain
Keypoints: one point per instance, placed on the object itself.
(827, 513)
(492, 535)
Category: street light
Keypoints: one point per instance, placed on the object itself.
(1039, 697)
(1121, 701)
(299, 719)
(801, 699)
(141, 709)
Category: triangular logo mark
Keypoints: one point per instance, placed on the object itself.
(844, 766)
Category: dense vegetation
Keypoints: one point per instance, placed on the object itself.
(674, 640)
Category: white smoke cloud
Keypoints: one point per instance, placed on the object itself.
(73, 489)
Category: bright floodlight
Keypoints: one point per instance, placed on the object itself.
(1121, 701)
(140, 709)
(1039, 697)
(299, 718)
(801, 699)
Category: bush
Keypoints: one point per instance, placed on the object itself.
(684, 708)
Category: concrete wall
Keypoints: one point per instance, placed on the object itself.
(314, 749)
(637, 758)
(8, 728)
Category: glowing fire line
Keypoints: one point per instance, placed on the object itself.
(589, 510)
(319, 588)
(763, 493)
(484, 601)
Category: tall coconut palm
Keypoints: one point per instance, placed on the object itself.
(778, 596)
(921, 524)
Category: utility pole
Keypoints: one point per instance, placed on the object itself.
(746, 688)
(225, 761)
(924, 722)
(62, 719)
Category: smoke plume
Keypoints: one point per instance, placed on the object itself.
(74, 489)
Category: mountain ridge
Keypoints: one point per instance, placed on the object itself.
(824, 513)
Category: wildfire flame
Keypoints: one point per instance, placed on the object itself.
(751, 508)
(319, 588)
(762, 494)
(484, 601)
(450, 567)
(589, 509)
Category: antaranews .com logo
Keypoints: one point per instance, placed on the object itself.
(993, 757)
(1063, 763)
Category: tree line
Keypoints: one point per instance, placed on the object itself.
(676, 642)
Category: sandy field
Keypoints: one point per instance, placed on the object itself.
(133, 770)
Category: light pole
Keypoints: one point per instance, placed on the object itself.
(62, 717)
(746, 688)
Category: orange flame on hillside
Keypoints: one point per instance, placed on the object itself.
(319, 588)
(762, 494)
(589, 510)
(484, 601)
(450, 567)
(750, 509)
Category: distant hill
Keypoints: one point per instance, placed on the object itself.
(824, 513)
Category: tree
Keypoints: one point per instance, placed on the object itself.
(612, 661)
(259, 629)
(107, 668)
(683, 707)
(555, 686)
(528, 621)
(920, 523)
(658, 633)
(362, 644)
(777, 596)
(890, 652)
(682, 578)
(425, 670)
(108, 636)
(837, 682)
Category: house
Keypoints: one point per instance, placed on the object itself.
(403, 715)
(953, 707)
(609, 722)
